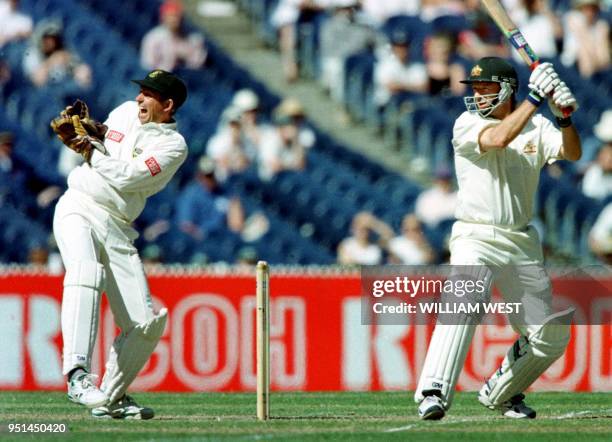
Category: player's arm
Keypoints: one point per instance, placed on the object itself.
(571, 149)
(498, 136)
(141, 172)
(563, 98)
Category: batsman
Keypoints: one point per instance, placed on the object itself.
(130, 157)
(500, 146)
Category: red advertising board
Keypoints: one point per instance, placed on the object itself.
(317, 339)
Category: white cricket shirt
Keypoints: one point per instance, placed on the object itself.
(141, 159)
(498, 187)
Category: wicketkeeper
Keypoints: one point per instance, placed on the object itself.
(132, 156)
(500, 146)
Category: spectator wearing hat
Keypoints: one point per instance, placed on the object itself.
(168, 46)
(343, 26)
(48, 62)
(227, 148)
(394, 73)
(246, 102)
(292, 108)
(205, 210)
(439, 202)
(14, 25)
(587, 38)
(280, 149)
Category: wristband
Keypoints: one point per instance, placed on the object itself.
(535, 98)
(564, 122)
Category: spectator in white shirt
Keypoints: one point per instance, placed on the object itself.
(247, 103)
(280, 149)
(540, 27)
(395, 73)
(587, 41)
(411, 247)
(600, 236)
(359, 248)
(343, 26)
(14, 25)
(380, 11)
(48, 62)
(439, 202)
(227, 147)
(597, 181)
(167, 46)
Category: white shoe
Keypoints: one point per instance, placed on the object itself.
(124, 408)
(82, 390)
(514, 408)
(431, 408)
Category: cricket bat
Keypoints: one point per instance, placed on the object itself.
(513, 34)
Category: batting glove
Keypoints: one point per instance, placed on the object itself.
(563, 98)
(542, 82)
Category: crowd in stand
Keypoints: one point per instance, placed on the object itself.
(249, 140)
(551, 32)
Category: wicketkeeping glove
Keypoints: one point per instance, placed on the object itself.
(542, 82)
(78, 131)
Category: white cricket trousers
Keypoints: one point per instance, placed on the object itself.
(98, 254)
(514, 259)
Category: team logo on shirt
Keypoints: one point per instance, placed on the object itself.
(115, 136)
(153, 166)
(476, 71)
(530, 148)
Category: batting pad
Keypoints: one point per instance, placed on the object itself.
(129, 353)
(528, 358)
(450, 342)
(80, 310)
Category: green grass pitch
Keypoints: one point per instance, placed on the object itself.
(313, 416)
